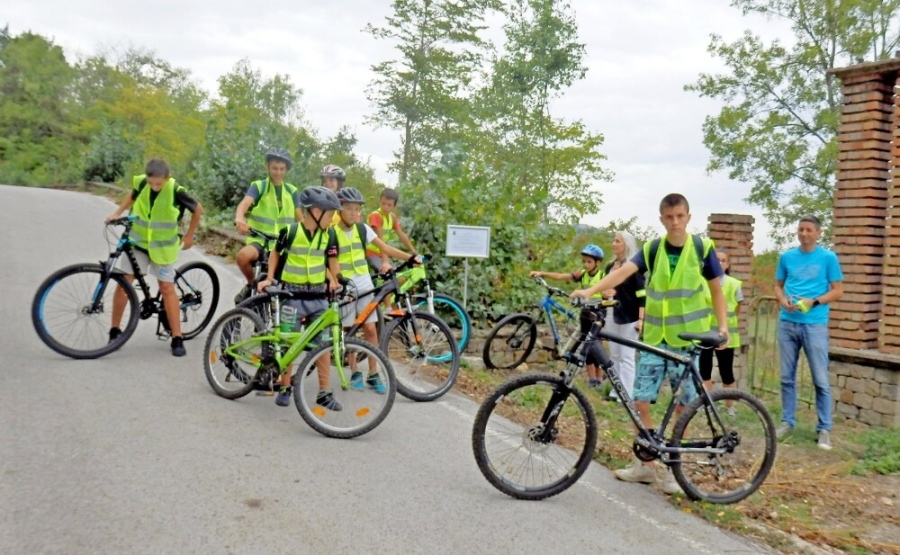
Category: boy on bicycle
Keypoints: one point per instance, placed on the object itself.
(387, 227)
(269, 205)
(591, 273)
(676, 302)
(158, 203)
(305, 261)
(352, 237)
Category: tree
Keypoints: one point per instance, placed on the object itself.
(777, 130)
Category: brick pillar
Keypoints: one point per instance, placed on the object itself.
(860, 206)
(889, 336)
(734, 234)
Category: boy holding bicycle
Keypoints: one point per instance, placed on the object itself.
(676, 302)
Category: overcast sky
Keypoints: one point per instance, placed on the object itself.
(639, 57)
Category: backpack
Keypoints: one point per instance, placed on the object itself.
(264, 186)
(654, 249)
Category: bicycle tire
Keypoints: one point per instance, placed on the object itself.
(426, 366)
(44, 317)
(187, 287)
(522, 332)
(457, 318)
(363, 410)
(748, 409)
(261, 304)
(217, 340)
(521, 449)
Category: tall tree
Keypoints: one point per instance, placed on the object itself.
(777, 130)
(424, 93)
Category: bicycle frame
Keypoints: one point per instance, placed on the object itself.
(123, 246)
(548, 305)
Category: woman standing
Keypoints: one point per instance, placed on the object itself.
(628, 317)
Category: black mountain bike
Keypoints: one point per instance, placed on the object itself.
(72, 308)
(261, 266)
(713, 455)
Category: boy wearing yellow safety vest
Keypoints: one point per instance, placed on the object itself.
(352, 238)
(305, 261)
(592, 272)
(387, 226)
(270, 205)
(731, 288)
(158, 203)
(676, 302)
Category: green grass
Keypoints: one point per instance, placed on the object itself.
(881, 452)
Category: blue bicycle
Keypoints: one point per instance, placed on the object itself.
(514, 336)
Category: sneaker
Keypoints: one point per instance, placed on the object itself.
(326, 399)
(242, 295)
(783, 430)
(824, 441)
(114, 333)
(637, 472)
(283, 398)
(375, 382)
(356, 381)
(178, 346)
(730, 411)
(668, 484)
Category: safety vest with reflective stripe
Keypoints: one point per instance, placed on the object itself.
(676, 301)
(588, 280)
(730, 288)
(156, 229)
(305, 263)
(351, 254)
(265, 215)
(388, 235)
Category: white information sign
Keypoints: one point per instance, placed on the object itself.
(468, 241)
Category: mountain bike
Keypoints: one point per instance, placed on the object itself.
(510, 341)
(261, 265)
(714, 456)
(242, 355)
(72, 309)
(421, 346)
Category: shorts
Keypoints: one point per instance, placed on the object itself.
(164, 272)
(351, 311)
(260, 251)
(307, 311)
(650, 373)
(375, 263)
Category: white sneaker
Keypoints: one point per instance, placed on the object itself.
(731, 412)
(637, 473)
(668, 484)
(824, 441)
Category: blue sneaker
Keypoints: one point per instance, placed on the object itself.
(376, 383)
(356, 381)
(326, 399)
(283, 398)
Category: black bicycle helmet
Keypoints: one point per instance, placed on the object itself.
(351, 195)
(279, 155)
(333, 171)
(319, 197)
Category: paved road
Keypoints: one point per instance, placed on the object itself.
(133, 453)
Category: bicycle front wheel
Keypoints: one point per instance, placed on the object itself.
(739, 449)
(197, 286)
(454, 315)
(510, 342)
(534, 436)
(424, 354)
(71, 320)
(338, 403)
(232, 374)
(261, 304)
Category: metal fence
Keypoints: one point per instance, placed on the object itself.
(763, 362)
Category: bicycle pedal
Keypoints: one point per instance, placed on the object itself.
(265, 393)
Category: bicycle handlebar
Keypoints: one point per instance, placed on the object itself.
(262, 235)
(409, 263)
(594, 304)
(124, 220)
(553, 290)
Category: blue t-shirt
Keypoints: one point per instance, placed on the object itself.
(808, 275)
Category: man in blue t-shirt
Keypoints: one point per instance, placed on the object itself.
(808, 279)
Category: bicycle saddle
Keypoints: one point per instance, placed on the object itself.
(707, 339)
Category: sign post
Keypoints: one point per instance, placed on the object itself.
(468, 242)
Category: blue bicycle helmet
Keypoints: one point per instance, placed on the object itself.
(593, 251)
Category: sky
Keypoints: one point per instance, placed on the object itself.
(639, 56)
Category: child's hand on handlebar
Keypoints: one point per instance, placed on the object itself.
(534, 274)
(385, 267)
(261, 287)
(242, 226)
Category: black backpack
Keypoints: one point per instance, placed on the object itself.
(654, 249)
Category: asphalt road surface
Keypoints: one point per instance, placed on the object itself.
(134, 453)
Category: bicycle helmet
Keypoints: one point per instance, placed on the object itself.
(333, 171)
(279, 155)
(593, 251)
(319, 197)
(351, 195)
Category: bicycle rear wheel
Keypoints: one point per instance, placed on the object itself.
(360, 407)
(510, 342)
(262, 305)
(522, 449)
(197, 286)
(68, 321)
(232, 377)
(454, 315)
(424, 354)
(746, 442)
